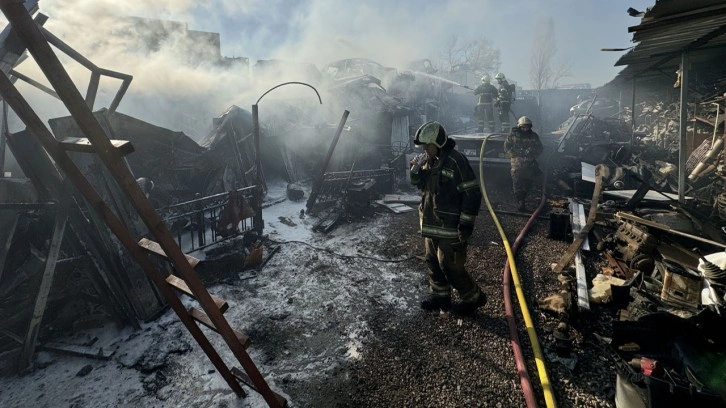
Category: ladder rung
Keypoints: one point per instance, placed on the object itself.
(202, 318)
(82, 144)
(180, 285)
(154, 247)
(246, 380)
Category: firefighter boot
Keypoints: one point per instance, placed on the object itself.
(434, 302)
(468, 308)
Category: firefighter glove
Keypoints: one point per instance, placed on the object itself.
(465, 231)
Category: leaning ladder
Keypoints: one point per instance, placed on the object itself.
(110, 153)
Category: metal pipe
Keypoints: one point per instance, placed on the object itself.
(319, 181)
(682, 157)
(632, 116)
(258, 221)
(715, 123)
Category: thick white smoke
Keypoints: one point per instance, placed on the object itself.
(308, 31)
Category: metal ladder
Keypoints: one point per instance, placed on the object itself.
(111, 154)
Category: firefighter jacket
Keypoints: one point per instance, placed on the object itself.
(450, 194)
(504, 95)
(522, 147)
(487, 93)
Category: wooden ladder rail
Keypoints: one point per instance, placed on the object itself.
(54, 71)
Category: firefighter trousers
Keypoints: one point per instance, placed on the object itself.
(445, 259)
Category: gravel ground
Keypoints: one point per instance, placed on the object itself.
(334, 326)
(436, 360)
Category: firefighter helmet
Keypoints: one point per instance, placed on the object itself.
(485, 79)
(500, 76)
(524, 121)
(431, 132)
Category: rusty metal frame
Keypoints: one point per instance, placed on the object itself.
(200, 210)
(54, 71)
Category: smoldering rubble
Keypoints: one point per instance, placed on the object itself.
(633, 198)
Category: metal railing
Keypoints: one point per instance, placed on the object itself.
(204, 221)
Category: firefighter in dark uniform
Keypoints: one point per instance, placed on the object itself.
(450, 202)
(523, 147)
(486, 93)
(504, 101)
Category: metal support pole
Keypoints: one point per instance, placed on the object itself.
(257, 220)
(632, 116)
(683, 124)
(319, 181)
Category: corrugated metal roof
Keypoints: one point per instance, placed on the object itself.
(673, 26)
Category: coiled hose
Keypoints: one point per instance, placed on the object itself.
(510, 270)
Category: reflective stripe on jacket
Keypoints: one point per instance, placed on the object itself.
(450, 194)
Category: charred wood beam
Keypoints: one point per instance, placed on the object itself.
(6, 248)
(62, 83)
(319, 181)
(48, 182)
(97, 353)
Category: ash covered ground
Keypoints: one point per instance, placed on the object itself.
(334, 322)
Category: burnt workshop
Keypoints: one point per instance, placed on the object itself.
(380, 204)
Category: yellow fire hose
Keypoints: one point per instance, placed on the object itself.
(531, 332)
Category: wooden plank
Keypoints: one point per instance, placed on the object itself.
(400, 198)
(83, 145)
(97, 353)
(579, 220)
(154, 247)
(591, 216)
(202, 318)
(245, 379)
(397, 208)
(41, 299)
(583, 298)
(180, 285)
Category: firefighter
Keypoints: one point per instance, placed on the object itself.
(450, 202)
(486, 93)
(523, 147)
(504, 101)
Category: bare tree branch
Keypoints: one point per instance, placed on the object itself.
(542, 73)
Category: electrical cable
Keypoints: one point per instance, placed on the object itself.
(511, 270)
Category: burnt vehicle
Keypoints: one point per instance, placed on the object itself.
(599, 107)
(582, 138)
(494, 155)
(592, 139)
(470, 146)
